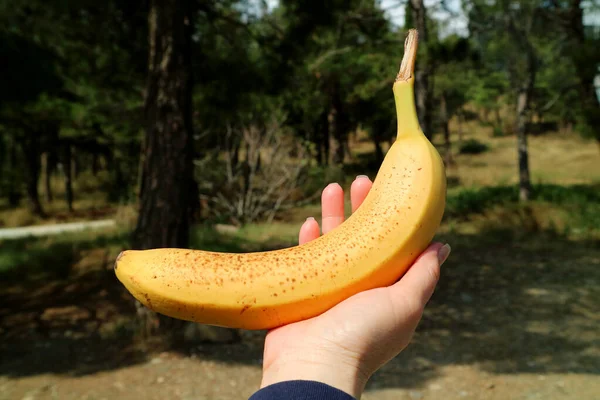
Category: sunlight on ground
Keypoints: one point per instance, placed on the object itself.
(515, 314)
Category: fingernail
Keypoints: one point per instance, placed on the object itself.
(310, 219)
(362, 176)
(443, 253)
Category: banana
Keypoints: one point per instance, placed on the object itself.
(371, 248)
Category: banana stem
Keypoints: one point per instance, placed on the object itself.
(411, 45)
(408, 122)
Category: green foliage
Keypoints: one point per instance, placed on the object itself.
(487, 89)
(581, 202)
(473, 146)
(74, 77)
(565, 62)
(52, 257)
(23, 80)
(345, 69)
(497, 131)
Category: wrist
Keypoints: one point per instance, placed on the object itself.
(345, 375)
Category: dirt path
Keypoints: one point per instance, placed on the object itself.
(46, 230)
(187, 377)
(515, 316)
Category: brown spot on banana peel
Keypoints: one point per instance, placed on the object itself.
(148, 301)
(244, 309)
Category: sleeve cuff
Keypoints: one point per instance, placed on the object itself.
(300, 390)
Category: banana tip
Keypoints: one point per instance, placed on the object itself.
(117, 260)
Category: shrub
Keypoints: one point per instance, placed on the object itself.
(498, 131)
(473, 146)
(580, 202)
(252, 175)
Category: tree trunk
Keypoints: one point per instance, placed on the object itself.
(14, 194)
(68, 175)
(446, 126)
(338, 126)
(324, 138)
(523, 152)
(51, 160)
(347, 151)
(167, 169)
(32, 155)
(585, 60)
(423, 69)
(523, 105)
(315, 138)
(459, 125)
(95, 163)
(75, 164)
(498, 118)
(333, 146)
(525, 93)
(118, 180)
(379, 156)
(47, 176)
(485, 117)
(167, 165)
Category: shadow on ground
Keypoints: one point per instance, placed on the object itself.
(509, 301)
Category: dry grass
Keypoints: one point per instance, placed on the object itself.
(560, 158)
(89, 203)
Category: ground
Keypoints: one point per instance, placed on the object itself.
(515, 315)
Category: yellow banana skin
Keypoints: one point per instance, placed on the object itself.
(263, 290)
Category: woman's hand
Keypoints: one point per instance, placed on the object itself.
(344, 346)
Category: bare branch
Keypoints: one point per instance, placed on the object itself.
(269, 172)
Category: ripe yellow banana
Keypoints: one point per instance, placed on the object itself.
(372, 248)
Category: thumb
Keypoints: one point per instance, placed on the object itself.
(415, 288)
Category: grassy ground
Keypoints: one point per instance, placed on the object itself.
(515, 316)
(90, 203)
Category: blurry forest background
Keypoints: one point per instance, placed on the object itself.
(216, 124)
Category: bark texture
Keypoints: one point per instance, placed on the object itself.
(167, 187)
(32, 154)
(14, 194)
(165, 195)
(339, 122)
(68, 174)
(423, 70)
(446, 127)
(520, 36)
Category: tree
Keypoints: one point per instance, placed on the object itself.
(337, 69)
(416, 17)
(68, 86)
(520, 32)
(167, 180)
(514, 31)
(454, 76)
(27, 111)
(582, 46)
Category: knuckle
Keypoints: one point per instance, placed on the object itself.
(434, 272)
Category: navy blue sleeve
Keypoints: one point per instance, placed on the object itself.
(300, 390)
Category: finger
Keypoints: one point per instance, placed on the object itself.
(411, 293)
(359, 190)
(309, 231)
(332, 207)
